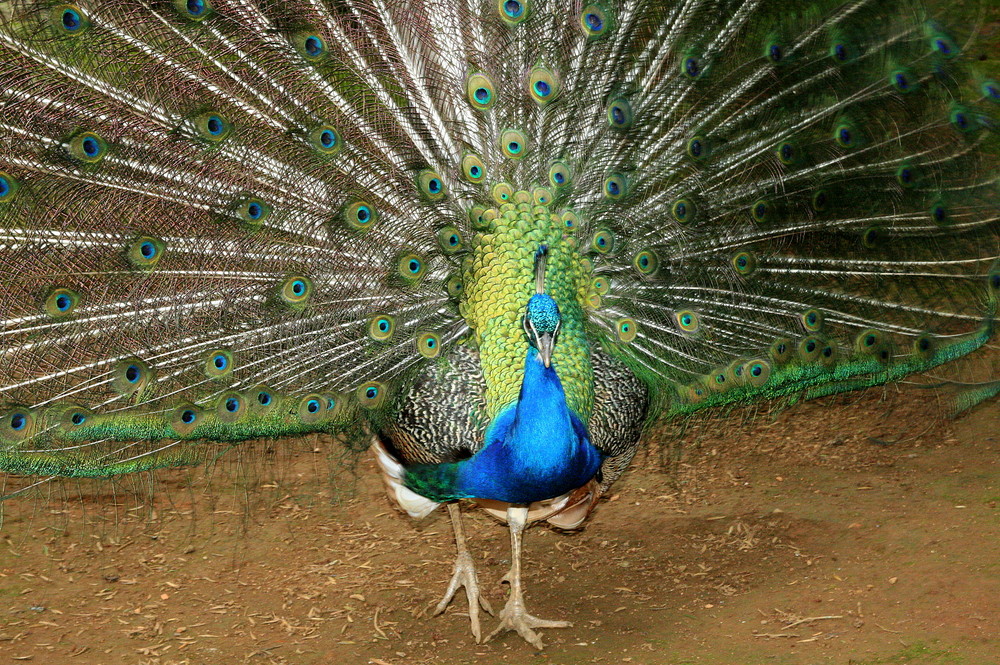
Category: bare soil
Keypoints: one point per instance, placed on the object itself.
(859, 530)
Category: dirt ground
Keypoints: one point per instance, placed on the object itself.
(854, 530)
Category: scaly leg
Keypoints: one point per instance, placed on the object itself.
(464, 575)
(514, 616)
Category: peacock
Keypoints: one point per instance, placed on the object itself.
(493, 241)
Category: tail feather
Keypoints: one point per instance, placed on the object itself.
(229, 219)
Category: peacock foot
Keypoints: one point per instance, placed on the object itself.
(515, 617)
(464, 575)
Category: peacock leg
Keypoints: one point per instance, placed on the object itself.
(464, 575)
(514, 616)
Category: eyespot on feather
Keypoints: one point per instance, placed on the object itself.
(428, 344)
(371, 395)
(480, 91)
(310, 45)
(431, 185)
(145, 252)
(231, 407)
(88, 147)
(212, 126)
(184, 419)
(130, 376)
(513, 12)
(69, 20)
(513, 143)
(594, 21)
(219, 364)
(194, 10)
(61, 302)
(295, 291)
(626, 330)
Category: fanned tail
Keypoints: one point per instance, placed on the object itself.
(222, 220)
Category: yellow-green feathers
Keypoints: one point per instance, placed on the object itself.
(499, 276)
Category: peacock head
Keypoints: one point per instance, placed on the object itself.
(541, 325)
(541, 317)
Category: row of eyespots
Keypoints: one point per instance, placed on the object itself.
(842, 52)
(740, 372)
(18, 422)
(381, 327)
(594, 21)
(869, 343)
(145, 253)
(70, 19)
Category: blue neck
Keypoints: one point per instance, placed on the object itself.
(535, 449)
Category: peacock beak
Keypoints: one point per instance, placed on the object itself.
(546, 342)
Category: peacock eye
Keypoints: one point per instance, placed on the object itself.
(991, 91)
(194, 10)
(692, 67)
(71, 20)
(215, 125)
(314, 46)
(295, 291)
(620, 114)
(513, 8)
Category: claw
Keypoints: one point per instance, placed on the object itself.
(514, 617)
(464, 575)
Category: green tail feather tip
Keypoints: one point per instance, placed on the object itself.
(809, 381)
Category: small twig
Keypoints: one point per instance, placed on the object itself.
(775, 635)
(811, 619)
(375, 621)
